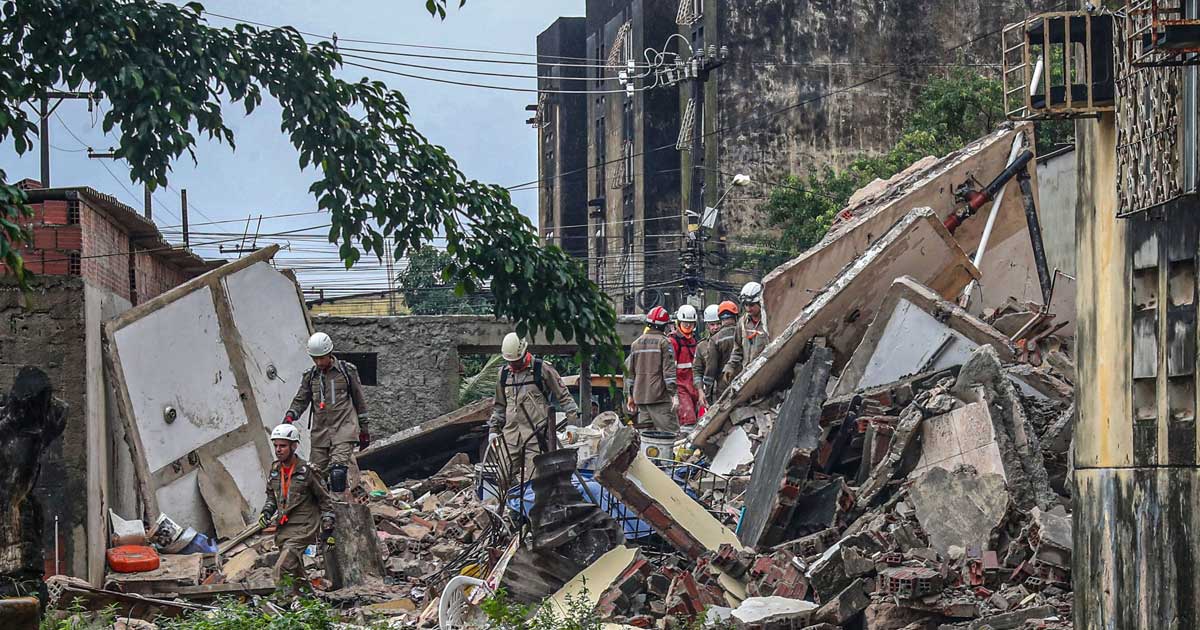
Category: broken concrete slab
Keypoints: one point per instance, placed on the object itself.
(847, 604)
(773, 612)
(959, 509)
(657, 499)
(735, 451)
(963, 436)
(420, 450)
(982, 379)
(915, 331)
(201, 375)
(791, 287)
(1050, 536)
(917, 245)
(782, 463)
(593, 581)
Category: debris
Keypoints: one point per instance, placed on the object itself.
(917, 245)
(781, 465)
(773, 612)
(166, 577)
(595, 580)
(355, 558)
(647, 490)
(959, 509)
(418, 451)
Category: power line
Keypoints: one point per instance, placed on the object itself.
(489, 87)
(765, 115)
(402, 45)
(479, 72)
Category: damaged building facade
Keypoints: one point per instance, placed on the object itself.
(95, 258)
(1137, 482)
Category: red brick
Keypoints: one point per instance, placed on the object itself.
(54, 212)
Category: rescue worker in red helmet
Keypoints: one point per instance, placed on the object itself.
(684, 343)
(650, 389)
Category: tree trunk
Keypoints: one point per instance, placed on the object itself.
(355, 558)
(30, 418)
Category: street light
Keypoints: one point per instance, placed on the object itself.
(709, 219)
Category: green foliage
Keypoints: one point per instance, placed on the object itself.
(76, 617)
(482, 381)
(950, 113)
(166, 73)
(426, 290)
(437, 8)
(504, 614)
(302, 614)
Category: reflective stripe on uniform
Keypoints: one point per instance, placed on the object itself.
(683, 366)
(654, 350)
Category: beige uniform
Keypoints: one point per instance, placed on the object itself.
(652, 380)
(698, 364)
(339, 412)
(753, 337)
(299, 511)
(723, 361)
(521, 413)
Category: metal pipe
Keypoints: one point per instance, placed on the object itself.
(964, 298)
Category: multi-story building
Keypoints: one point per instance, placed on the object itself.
(797, 87)
(94, 258)
(561, 122)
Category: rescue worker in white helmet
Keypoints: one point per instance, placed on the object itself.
(752, 326)
(712, 324)
(297, 503)
(521, 414)
(684, 341)
(650, 388)
(332, 390)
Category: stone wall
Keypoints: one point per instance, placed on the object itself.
(417, 359)
(810, 84)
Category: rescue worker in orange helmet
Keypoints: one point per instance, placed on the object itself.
(650, 389)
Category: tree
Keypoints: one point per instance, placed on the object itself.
(165, 73)
(949, 113)
(427, 292)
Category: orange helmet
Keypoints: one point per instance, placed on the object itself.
(727, 309)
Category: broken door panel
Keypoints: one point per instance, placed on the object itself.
(204, 350)
(275, 355)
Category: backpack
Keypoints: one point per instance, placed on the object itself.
(538, 378)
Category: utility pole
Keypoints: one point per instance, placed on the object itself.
(702, 64)
(44, 111)
(147, 201)
(183, 214)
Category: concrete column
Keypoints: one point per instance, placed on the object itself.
(1137, 484)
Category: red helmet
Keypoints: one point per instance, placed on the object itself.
(658, 316)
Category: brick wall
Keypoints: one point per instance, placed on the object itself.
(105, 260)
(155, 277)
(57, 239)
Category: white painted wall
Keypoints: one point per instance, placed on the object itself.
(178, 355)
(909, 340)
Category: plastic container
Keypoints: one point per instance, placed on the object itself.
(132, 558)
(658, 444)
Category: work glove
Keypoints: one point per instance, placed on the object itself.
(364, 440)
(631, 406)
(289, 419)
(327, 527)
(264, 520)
(674, 404)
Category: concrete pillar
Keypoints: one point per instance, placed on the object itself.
(1137, 484)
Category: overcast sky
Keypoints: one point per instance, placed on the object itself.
(484, 130)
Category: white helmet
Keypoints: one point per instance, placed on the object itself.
(286, 432)
(751, 293)
(319, 345)
(711, 315)
(686, 313)
(513, 348)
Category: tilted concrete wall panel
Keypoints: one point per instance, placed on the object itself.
(207, 349)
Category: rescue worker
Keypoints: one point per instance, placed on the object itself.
(712, 324)
(684, 341)
(521, 414)
(650, 389)
(723, 362)
(752, 327)
(297, 503)
(331, 389)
